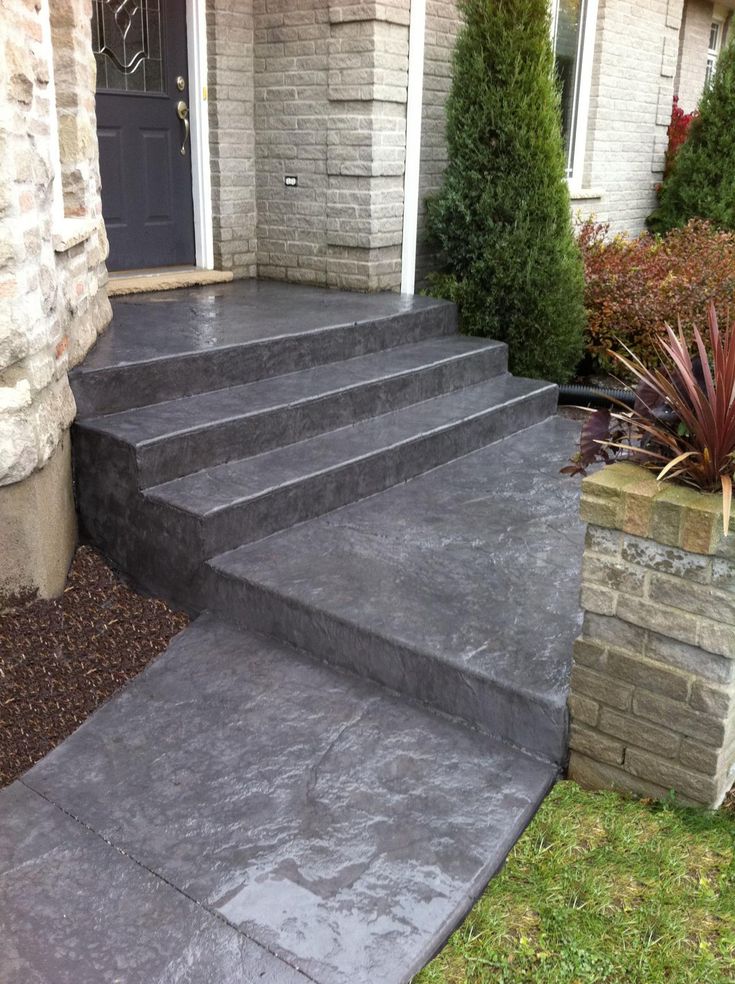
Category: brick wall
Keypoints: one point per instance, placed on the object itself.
(232, 134)
(652, 700)
(53, 301)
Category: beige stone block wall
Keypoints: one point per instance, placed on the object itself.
(692, 67)
(53, 300)
(442, 25)
(652, 703)
(291, 105)
(231, 98)
(330, 93)
(636, 57)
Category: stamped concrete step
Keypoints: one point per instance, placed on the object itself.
(169, 345)
(174, 438)
(459, 588)
(332, 827)
(234, 503)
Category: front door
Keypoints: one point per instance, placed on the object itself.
(143, 131)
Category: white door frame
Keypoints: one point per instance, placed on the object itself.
(201, 176)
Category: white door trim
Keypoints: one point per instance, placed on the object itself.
(414, 110)
(196, 33)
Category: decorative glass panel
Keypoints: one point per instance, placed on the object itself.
(126, 39)
(568, 34)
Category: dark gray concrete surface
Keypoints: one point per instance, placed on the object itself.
(460, 588)
(176, 343)
(76, 910)
(333, 823)
(321, 824)
(177, 437)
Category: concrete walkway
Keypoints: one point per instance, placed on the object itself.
(321, 774)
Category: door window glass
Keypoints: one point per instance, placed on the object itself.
(126, 39)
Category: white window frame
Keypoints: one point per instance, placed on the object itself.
(585, 66)
(713, 54)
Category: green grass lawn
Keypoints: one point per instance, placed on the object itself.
(606, 890)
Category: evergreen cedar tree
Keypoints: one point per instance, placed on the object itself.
(701, 182)
(502, 219)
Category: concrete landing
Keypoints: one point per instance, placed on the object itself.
(459, 588)
(240, 812)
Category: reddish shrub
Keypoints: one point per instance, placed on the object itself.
(636, 286)
(677, 133)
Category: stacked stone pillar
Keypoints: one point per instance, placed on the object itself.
(652, 701)
(366, 143)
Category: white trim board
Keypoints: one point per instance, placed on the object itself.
(196, 34)
(414, 111)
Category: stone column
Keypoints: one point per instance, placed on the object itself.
(652, 702)
(52, 276)
(366, 137)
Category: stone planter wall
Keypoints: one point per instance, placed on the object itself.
(652, 701)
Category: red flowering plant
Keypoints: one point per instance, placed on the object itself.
(683, 423)
(677, 132)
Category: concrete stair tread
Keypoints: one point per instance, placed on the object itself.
(340, 830)
(461, 581)
(156, 422)
(185, 322)
(212, 489)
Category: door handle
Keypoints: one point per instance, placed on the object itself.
(182, 111)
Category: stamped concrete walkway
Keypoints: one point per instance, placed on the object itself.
(321, 774)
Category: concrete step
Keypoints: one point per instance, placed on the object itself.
(459, 588)
(238, 787)
(221, 507)
(166, 346)
(177, 437)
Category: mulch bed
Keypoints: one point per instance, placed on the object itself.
(61, 659)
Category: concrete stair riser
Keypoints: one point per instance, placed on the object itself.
(204, 535)
(120, 387)
(195, 447)
(471, 697)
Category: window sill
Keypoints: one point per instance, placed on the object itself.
(71, 232)
(585, 194)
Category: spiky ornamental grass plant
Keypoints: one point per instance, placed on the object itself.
(683, 423)
(701, 182)
(502, 218)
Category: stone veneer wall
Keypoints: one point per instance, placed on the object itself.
(232, 134)
(52, 279)
(442, 26)
(652, 702)
(692, 67)
(330, 94)
(636, 56)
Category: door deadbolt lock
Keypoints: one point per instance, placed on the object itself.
(180, 83)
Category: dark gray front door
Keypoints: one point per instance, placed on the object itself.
(145, 153)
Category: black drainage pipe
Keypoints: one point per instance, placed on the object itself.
(594, 396)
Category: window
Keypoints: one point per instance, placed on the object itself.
(572, 24)
(713, 51)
